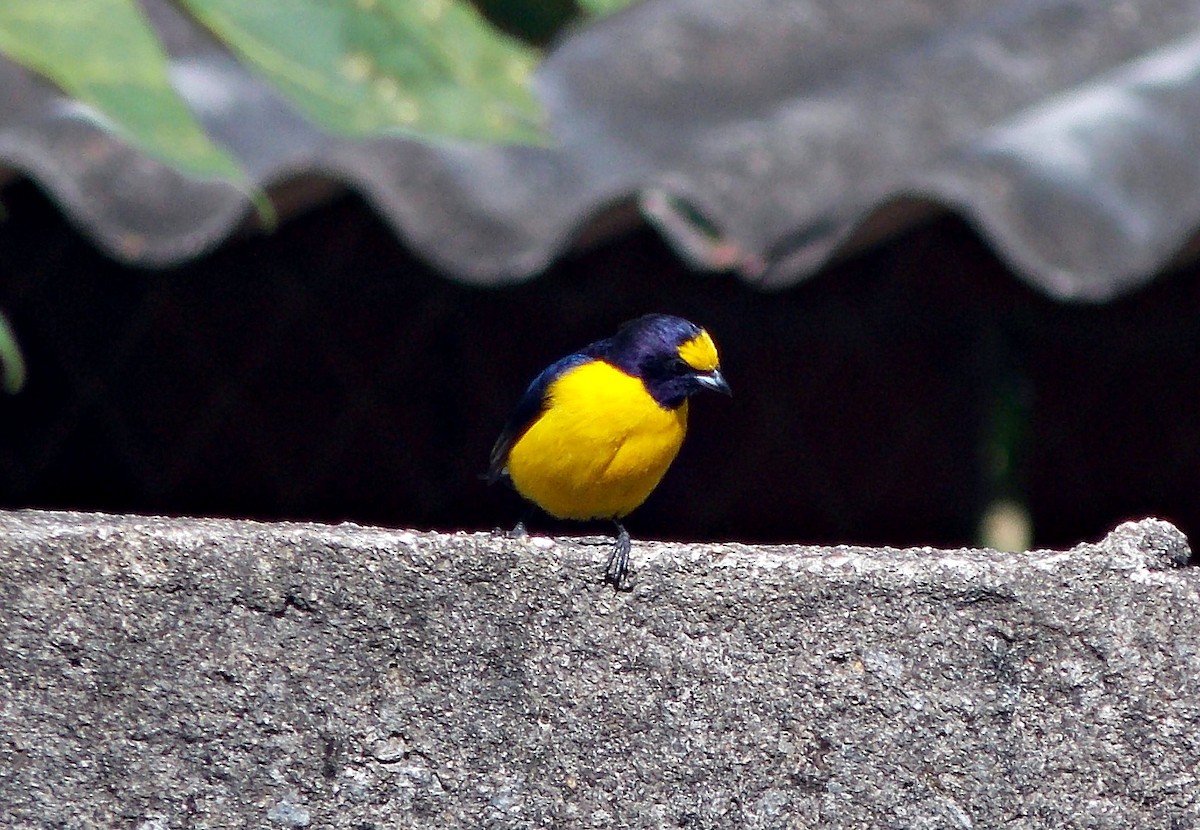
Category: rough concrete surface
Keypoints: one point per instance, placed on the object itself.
(159, 673)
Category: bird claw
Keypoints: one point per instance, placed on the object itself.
(617, 568)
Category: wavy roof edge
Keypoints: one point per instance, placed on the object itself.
(758, 138)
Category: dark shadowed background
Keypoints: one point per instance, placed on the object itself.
(323, 372)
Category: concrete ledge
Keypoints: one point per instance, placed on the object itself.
(161, 673)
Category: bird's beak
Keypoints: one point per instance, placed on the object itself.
(714, 380)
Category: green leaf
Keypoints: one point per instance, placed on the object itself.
(360, 67)
(104, 53)
(599, 8)
(12, 365)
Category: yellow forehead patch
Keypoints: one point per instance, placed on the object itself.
(700, 353)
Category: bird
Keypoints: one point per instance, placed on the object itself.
(595, 432)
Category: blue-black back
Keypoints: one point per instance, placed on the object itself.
(531, 405)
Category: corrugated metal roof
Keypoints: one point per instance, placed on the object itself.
(760, 135)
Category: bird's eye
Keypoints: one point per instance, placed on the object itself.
(678, 366)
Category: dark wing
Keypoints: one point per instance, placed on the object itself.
(531, 405)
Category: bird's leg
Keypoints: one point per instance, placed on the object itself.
(618, 561)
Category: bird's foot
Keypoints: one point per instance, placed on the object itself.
(617, 568)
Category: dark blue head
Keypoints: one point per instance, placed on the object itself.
(674, 358)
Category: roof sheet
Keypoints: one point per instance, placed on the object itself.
(760, 135)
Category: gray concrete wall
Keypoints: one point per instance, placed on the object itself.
(160, 674)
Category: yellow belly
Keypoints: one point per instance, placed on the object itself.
(599, 448)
